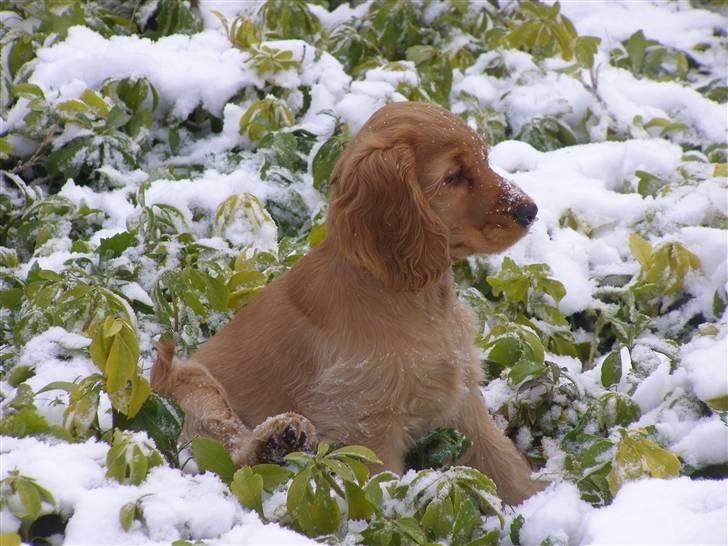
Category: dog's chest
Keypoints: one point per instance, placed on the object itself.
(416, 378)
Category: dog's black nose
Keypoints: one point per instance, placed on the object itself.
(524, 215)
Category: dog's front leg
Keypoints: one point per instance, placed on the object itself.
(493, 453)
(208, 414)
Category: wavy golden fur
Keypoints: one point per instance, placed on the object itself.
(365, 336)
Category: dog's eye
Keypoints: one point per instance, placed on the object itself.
(458, 178)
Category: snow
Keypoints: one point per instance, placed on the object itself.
(557, 512)
(667, 22)
(595, 182)
(705, 359)
(174, 505)
(678, 511)
(181, 68)
(627, 97)
(705, 444)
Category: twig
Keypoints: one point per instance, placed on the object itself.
(36, 155)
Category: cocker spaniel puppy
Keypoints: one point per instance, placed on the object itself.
(365, 336)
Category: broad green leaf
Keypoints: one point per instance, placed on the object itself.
(115, 245)
(117, 118)
(356, 452)
(612, 369)
(247, 486)
(211, 455)
(325, 160)
(466, 520)
(126, 515)
(505, 351)
(29, 498)
(339, 468)
(437, 521)
(525, 368)
(73, 105)
(585, 49)
(92, 99)
(22, 51)
(19, 374)
(409, 527)
(359, 506)
(273, 475)
(28, 91)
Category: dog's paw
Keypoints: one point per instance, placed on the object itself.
(282, 434)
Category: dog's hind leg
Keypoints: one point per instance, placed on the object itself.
(208, 413)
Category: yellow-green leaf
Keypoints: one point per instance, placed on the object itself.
(640, 249)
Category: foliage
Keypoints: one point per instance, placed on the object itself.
(25, 499)
(264, 116)
(440, 448)
(185, 270)
(130, 458)
(115, 350)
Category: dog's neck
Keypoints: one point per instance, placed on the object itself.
(332, 290)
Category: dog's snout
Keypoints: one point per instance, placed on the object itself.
(525, 214)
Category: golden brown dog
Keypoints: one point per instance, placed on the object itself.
(365, 336)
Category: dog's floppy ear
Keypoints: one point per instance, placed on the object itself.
(382, 221)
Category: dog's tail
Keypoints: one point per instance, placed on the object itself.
(162, 370)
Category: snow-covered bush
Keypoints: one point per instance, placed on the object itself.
(162, 161)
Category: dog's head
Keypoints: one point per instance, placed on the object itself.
(413, 191)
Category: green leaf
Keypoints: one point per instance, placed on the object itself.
(612, 369)
(19, 374)
(273, 475)
(585, 49)
(325, 160)
(211, 455)
(636, 46)
(525, 368)
(437, 521)
(247, 486)
(299, 499)
(515, 529)
(29, 498)
(73, 106)
(126, 515)
(117, 118)
(28, 91)
(115, 245)
(491, 538)
(63, 161)
(411, 529)
(466, 520)
(360, 508)
(440, 448)
(23, 50)
(95, 102)
(505, 351)
(162, 419)
(356, 452)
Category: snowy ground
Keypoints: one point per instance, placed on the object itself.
(595, 181)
